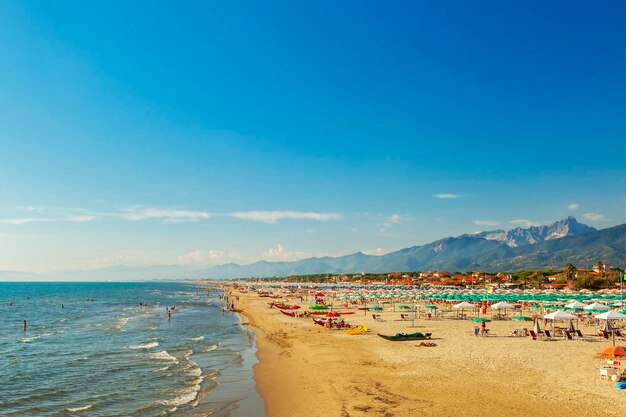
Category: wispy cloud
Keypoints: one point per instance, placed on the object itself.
(395, 218)
(524, 222)
(208, 257)
(166, 215)
(573, 206)
(445, 196)
(487, 223)
(25, 220)
(280, 254)
(595, 217)
(389, 222)
(377, 252)
(275, 216)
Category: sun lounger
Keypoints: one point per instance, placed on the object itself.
(533, 334)
(568, 335)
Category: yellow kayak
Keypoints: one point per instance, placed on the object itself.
(356, 330)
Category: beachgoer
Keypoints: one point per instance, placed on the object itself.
(24, 324)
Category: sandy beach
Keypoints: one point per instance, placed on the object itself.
(307, 370)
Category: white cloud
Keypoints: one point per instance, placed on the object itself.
(165, 215)
(25, 220)
(280, 254)
(573, 206)
(444, 196)
(595, 217)
(395, 218)
(487, 222)
(377, 251)
(275, 216)
(199, 257)
(524, 222)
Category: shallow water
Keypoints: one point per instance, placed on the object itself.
(114, 357)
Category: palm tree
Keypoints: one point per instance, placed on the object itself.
(570, 271)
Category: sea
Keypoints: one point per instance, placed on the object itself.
(108, 349)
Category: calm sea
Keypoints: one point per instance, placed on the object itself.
(103, 354)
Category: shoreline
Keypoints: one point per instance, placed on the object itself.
(304, 369)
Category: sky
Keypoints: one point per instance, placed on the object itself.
(200, 133)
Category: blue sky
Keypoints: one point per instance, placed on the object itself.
(143, 133)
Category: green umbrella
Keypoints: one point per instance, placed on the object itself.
(318, 307)
(431, 306)
(480, 320)
(404, 307)
(522, 318)
(376, 308)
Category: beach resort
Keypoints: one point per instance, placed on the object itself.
(444, 352)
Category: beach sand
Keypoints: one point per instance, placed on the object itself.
(307, 370)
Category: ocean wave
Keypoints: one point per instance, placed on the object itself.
(199, 338)
(120, 323)
(38, 336)
(185, 397)
(144, 346)
(209, 348)
(164, 356)
(76, 410)
(165, 368)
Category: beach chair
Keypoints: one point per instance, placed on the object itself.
(579, 334)
(568, 335)
(533, 334)
(403, 317)
(547, 335)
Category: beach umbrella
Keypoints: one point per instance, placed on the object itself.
(559, 315)
(611, 315)
(480, 320)
(319, 294)
(464, 305)
(575, 305)
(404, 307)
(522, 318)
(431, 306)
(332, 315)
(376, 308)
(613, 351)
(502, 305)
(596, 306)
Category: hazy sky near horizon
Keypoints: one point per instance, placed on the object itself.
(199, 133)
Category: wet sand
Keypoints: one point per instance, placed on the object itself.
(307, 370)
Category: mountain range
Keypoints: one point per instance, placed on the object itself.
(535, 247)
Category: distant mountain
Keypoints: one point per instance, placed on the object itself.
(534, 234)
(536, 247)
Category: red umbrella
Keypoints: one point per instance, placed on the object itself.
(319, 294)
(613, 351)
(332, 315)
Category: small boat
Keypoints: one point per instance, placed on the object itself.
(288, 313)
(320, 322)
(363, 308)
(403, 336)
(319, 313)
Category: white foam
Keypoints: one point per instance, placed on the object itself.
(209, 348)
(199, 338)
(185, 397)
(121, 322)
(145, 346)
(165, 368)
(75, 410)
(38, 336)
(164, 356)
